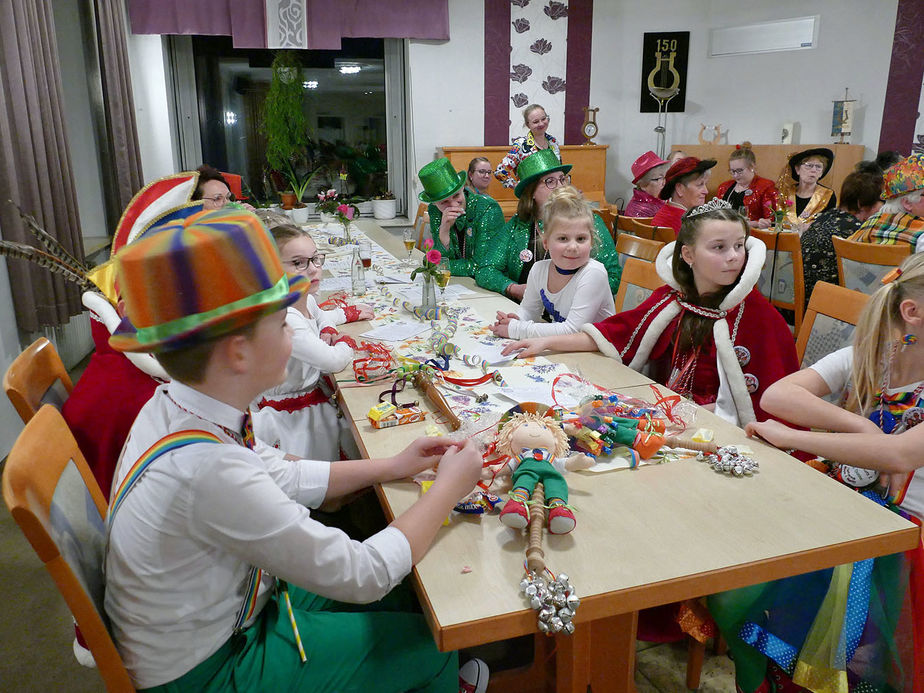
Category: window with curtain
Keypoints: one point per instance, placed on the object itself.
(343, 101)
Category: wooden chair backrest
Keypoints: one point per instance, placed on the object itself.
(633, 246)
(57, 504)
(37, 376)
(235, 184)
(421, 224)
(782, 279)
(861, 266)
(637, 226)
(829, 322)
(639, 279)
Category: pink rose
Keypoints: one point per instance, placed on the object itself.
(434, 257)
(428, 243)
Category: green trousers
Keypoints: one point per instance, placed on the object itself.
(350, 647)
(530, 472)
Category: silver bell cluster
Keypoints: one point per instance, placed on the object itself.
(729, 461)
(554, 600)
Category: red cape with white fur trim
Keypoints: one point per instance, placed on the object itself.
(734, 367)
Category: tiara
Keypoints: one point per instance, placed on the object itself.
(711, 206)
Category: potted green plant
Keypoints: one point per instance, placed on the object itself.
(384, 205)
(288, 146)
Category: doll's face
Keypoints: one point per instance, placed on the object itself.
(532, 434)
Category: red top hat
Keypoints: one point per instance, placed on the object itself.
(644, 164)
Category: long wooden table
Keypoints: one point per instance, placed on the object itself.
(644, 537)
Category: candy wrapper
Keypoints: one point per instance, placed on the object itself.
(479, 503)
(401, 416)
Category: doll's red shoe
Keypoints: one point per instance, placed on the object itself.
(561, 520)
(515, 514)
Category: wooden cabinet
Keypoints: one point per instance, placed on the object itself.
(588, 173)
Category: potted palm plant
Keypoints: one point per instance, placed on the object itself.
(288, 145)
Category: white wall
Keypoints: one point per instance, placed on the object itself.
(445, 81)
(149, 87)
(750, 95)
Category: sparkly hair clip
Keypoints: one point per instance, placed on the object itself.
(892, 276)
(710, 206)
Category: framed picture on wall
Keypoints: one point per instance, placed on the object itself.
(664, 66)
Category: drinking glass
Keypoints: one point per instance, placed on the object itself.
(443, 273)
(365, 254)
(408, 245)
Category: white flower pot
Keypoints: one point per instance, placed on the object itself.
(299, 215)
(384, 209)
(365, 208)
(328, 218)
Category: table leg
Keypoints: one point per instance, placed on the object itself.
(600, 656)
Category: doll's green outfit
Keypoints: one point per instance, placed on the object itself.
(533, 467)
(474, 239)
(512, 265)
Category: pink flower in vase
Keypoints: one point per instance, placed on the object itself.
(428, 243)
(346, 211)
(434, 257)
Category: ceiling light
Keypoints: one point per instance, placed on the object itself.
(310, 84)
(230, 117)
(349, 69)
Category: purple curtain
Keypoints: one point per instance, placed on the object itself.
(35, 166)
(328, 20)
(904, 86)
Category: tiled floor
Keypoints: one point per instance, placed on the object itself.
(662, 668)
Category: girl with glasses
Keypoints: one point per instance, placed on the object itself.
(747, 189)
(536, 120)
(539, 174)
(300, 415)
(479, 175)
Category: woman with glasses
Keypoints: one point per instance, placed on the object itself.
(539, 174)
(802, 197)
(213, 190)
(648, 178)
(300, 416)
(747, 189)
(536, 120)
(479, 175)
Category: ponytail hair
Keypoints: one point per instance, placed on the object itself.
(696, 329)
(567, 203)
(879, 326)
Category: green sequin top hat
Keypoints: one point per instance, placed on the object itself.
(538, 164)
(440, 180)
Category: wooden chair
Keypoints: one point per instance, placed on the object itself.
(638, 226)
(632, 246)
(829, 322)
(861, 266)
(58, 506)
(235, 185)
(36, 377)
(639, 280)
(782, 280)
(608, 219)
(421, 224)
(664, 234)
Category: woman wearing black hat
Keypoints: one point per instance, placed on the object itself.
(801, 196)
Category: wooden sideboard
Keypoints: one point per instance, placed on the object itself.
(588, 173)
(771, 158)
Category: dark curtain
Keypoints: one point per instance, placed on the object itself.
(328, 20)
(903, 90)
(35, 167)
(124, 157)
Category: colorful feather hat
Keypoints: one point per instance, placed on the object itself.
(198, 278)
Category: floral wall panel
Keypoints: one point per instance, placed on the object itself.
(538, 62)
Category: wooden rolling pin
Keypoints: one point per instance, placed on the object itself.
(678, 442)
(424, 383)
(535, 556)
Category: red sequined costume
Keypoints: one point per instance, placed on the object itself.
(751, 347)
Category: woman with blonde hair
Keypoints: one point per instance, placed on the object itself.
(880, 381)
(536, 121)
(747, 189)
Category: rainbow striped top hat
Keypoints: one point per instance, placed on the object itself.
(198, 278)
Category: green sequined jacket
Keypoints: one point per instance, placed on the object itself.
(508, 265)
(483, 223)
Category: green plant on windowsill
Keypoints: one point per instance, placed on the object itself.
(385, 195)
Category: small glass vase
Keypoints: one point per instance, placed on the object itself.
(347, 238)
(428, 294)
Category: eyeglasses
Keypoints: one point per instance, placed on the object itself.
(301, 263)
(813, 165)
(553, 182)
(656, 179)
(736, 171)
(220, 199)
